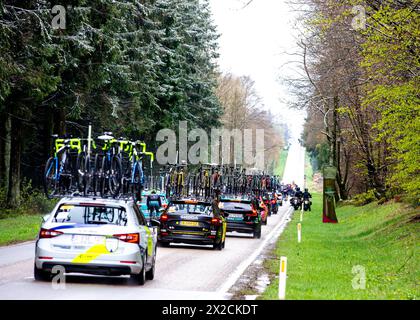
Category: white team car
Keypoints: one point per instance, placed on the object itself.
(96, 236)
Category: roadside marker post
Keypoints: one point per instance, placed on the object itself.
(299, 229)
(282, 278)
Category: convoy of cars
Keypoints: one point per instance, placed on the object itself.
(118, 236)
(115, 237)
(102, 224)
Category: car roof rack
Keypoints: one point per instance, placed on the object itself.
(76, 194)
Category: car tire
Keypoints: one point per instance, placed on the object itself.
(218, 246)
(140, 278)
(165, 244)
(150, 275)
(41, 275)
(257, 233)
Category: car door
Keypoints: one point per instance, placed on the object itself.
(146, 234)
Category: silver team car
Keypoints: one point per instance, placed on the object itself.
(96, 236)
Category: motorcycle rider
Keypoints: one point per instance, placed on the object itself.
(306, 196)
(154, 203)
(285, 191)
(298, 194)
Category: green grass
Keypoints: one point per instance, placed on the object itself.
(22, 223)
(279, 171)
(19, 228)
(383, 239)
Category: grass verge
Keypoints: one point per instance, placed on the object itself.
(22, 223)
(384, 239)
(19, 228)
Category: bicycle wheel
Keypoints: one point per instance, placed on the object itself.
(50, 181)
(96, 175)
(104, 181)
(88, 177)
(67, 175)
(115, 176)
(137, 182)
(81, 173)
(168, 185)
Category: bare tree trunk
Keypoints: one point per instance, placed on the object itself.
(5, 151)
(13, 194)
(60, 122)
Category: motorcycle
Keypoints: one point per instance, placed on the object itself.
(274, 206)
(306, 205)
(296, 203)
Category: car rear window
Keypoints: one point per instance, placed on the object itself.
(235, 206)
(90, 214)
(183, 208)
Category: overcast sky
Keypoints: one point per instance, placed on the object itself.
(253, 42)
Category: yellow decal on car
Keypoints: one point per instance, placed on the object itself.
(149, 241)
(91, 254)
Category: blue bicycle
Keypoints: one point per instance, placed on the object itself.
(59, 174)
(133, 177)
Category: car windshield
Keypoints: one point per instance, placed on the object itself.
(183, 208)
(90, 214)
(235, 206)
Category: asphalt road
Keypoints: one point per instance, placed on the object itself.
(182, 271)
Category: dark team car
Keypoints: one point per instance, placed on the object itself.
(192, 222)
(241, 216)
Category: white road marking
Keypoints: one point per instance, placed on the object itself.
(224, 288)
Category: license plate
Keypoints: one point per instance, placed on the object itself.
(235, 216)
(189, 223)
(87, 240)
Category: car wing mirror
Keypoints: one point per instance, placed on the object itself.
(154, 223)
(226, 214)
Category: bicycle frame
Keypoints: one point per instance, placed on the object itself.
(60, 145)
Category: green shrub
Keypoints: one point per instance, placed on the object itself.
(363, 198)
(33, 201)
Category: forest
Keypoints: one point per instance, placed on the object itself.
(129, 67)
